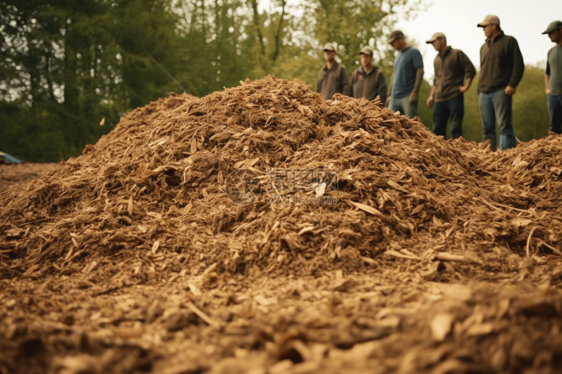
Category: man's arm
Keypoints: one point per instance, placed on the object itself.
(417, 85)
(431, 98)
(418, 65)
(467, 83)
(469, 71)
(518, 67)
(547, 79)
(345, 82)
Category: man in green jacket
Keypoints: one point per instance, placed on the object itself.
(332, 78)
(451, 67)
(368, 81)
(501, 70)
(553, 76)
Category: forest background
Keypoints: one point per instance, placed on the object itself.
(66, 65)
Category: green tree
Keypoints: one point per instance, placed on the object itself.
(351, 25)
(210, 45)
(290, 47)
(66, 65)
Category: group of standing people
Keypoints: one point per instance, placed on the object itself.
(501, 70)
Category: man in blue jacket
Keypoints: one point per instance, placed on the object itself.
(407, 76)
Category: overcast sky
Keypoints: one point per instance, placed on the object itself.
(457, 19)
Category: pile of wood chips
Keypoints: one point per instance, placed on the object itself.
(95, 256)
(155, 187)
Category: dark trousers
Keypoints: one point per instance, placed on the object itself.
(452, 108)
(555, 112)
(494, 106)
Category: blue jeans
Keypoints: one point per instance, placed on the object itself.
(555, 112)
(497, 106)
(403, 106)
(453, 108)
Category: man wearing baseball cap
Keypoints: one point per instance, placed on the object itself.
(451, 66)
(407, 76)
(368, 81)
(332, 78)
(501, 70)
(553, 76)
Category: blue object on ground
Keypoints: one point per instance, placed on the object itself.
(9, 159)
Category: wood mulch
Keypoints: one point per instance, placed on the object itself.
(159, 248)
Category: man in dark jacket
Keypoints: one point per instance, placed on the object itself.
(451, 66)
(368, 81)
(553, 76)
(501, 71)
(332, 78)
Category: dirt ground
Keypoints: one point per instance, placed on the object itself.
(436, 257)
(11, 174)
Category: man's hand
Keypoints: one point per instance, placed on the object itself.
(548, 91)
(430, 101)
(463, 89)
(413, 97)
(509, 91)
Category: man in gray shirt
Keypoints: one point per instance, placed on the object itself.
(553, 76)
(332, 78)
(451, 66)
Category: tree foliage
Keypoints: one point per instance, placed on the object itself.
(66, 65)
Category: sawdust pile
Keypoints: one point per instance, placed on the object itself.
(153, 194)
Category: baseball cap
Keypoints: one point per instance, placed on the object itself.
(329, 47)
(366, 51)
(553, 26)
(435, 36)
(489, 20)
(395, 35)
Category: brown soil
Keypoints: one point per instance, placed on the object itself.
(140, 256)
(12, 174)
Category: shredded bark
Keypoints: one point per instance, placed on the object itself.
(151, 205)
